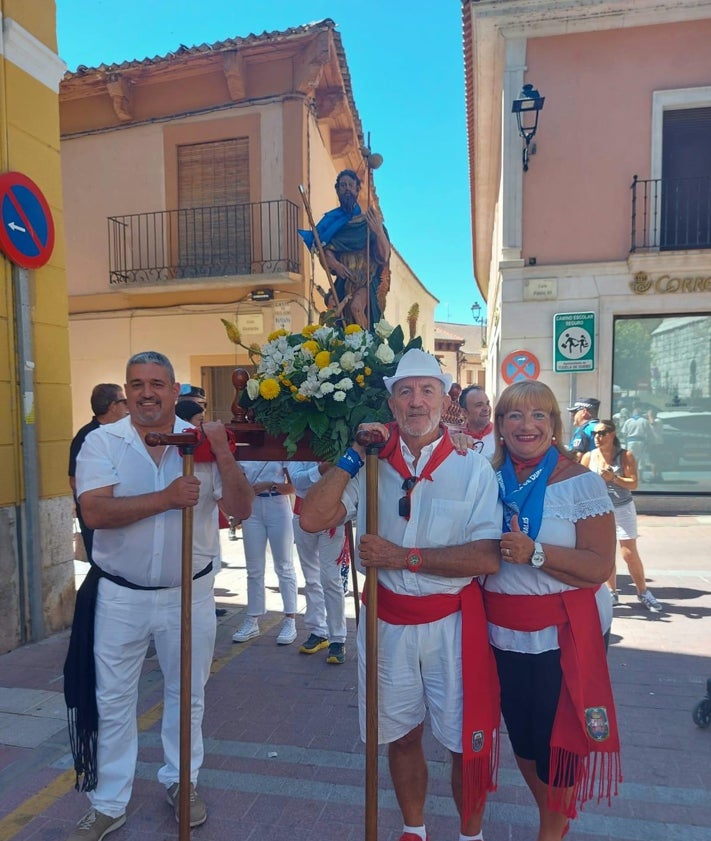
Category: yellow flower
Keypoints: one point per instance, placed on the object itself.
(368, 371)
(301, 398)
(311, 346)
(309, 330)
(276, 334)
(269, 389)
(360, 379)
(322, 359)
(293, 388)
(352, 328)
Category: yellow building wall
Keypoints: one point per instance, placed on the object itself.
(29, 143)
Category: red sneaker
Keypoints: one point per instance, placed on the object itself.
(410, 836)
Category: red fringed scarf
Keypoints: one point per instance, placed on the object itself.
(585, 745)
(479, 435)
(480, 681)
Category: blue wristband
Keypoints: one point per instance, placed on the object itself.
(350, 461)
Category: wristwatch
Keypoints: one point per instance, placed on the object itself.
(413, 560)
(538, 557)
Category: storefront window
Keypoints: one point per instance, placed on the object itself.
(662, 400)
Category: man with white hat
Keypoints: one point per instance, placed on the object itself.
(584, 411)
(440, 523)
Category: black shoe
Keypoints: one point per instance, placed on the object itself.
(336, 653)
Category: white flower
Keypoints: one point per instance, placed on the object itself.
(329, 371)
(345, 384)
(327, 388)
(253, 389)
(383, 329)
(339, 396)
(385, 353)
(348, 361)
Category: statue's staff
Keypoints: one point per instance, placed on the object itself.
(372, 161)
(338, 305)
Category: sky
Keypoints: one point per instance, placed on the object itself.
(407, 74)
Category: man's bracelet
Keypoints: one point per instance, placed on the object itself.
(350, 461)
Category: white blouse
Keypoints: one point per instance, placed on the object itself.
(582, 496)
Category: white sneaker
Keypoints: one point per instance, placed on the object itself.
(249, 629)
(287, 634)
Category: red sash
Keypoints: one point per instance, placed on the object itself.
(480, 681)
(585, 743)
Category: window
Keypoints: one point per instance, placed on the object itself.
(686, 179)
(214, 222)
(662, 366)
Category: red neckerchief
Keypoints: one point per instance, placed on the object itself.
(479, 435)
(392, 452)
(585, 746)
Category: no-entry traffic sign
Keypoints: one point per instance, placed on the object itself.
(26, 225)
(520, 365)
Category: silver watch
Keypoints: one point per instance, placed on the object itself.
(538, 557)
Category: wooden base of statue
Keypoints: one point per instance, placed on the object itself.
(253, 442)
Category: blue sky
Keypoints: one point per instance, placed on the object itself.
(408, 83)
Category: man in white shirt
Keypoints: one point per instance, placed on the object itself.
(133, 495)
(440, 522)
(479, 426)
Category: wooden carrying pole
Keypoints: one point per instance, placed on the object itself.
(186, 441)
(373, 442)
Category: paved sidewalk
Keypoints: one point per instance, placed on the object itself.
(283, 758)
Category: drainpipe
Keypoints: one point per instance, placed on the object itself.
(29, 547)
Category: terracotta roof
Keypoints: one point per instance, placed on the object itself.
(182, 51)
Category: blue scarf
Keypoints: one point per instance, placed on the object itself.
(525, 499)
(329, 226)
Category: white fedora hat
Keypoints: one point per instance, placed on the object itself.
(417, 363)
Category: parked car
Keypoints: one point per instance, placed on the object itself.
(687, 439)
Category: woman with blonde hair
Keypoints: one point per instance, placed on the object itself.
(548, 612)
(618, 469)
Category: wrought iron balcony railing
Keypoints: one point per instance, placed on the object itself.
(203, 242)
(671, 214)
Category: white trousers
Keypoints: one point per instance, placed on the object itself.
(124, 623)
(270, 520)
(325, 600)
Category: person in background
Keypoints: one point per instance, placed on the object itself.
(655, 448)
(584, 413)
(453, 416)
(636, 435)
(477, 410)
(618, 468)
(270, 521)
(548, 613)
(133, 496)
(439, 523)
(321, 557)
(190, 411)
(108, 403)
(194, 393)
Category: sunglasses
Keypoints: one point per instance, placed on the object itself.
(403, 508)
(600, 433)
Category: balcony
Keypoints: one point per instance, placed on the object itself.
(203, 242)
(671, 214)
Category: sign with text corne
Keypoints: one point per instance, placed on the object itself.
(573, 342)
(26, 224)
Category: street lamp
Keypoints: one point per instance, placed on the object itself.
(527, 108)
(479, 318)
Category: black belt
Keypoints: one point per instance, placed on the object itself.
(270, 493)
(123, 582)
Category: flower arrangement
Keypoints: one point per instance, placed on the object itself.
(324, 381)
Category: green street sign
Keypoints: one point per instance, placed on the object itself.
(573, 342)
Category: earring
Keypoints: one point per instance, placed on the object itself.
(501, 439)
(552, 439)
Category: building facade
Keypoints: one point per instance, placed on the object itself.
(36, 569)
(181, 181)
(595, 262)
